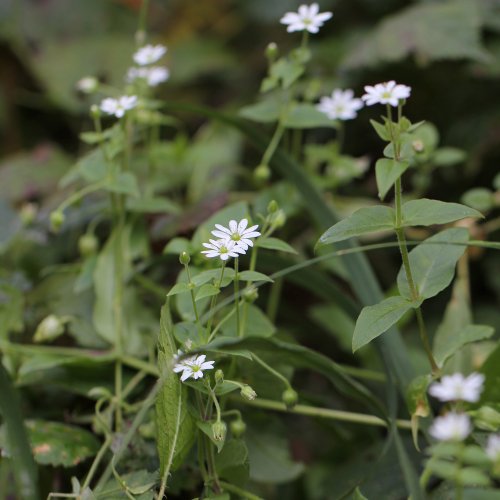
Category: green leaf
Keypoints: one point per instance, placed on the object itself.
(257, 324)
(479, 198)
(387, 172)
(253, 276)
(381, 130)
(364, 220)
(433, 262)
(153, 206)
(214, 275)
(427, 212)
(206, 428)
(138, 483)
(175, 425)
(10, 224)
(267, 111)
(207, 290)
(377, 319)
(304, 115)
(123, 183)
(447, 156)
(470, 476)
(25, 472)
(271, 243)
(447, 346)
(179, 288)
(232, 462)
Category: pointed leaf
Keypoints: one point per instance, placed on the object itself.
(275, 244)
(427, 212)
(433, 263)
(387, 171)
(207, 290)
(364, 220)
(304, 115)
(179, 288)
(254, 276)
(376, 320)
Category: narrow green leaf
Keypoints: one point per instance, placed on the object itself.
(433, 262)
(179, 288)
(387, 171)
(447, 346)
(214, 275)
(377, 319)
(381, 130)
(256, 324)
(271, 243)
(175, 426)
(304, 115)
(427, 212)
(123, 183)
(364, 220)
(254, 276)
(207, 290)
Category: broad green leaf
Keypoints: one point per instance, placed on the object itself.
(123, 183)
(175, 425)
(207, 290)
(446, 156)
(232, 462)
(25, 472)
(179, 288)
(425, 212)
(304, 115)
(377, 319)
(287, 71)
(138, 483)
(206, 428)
(433, 263)
(153, 206)
(381, 130)
(471, 476)
(479, 198)
(364, 220)
(253, 276)
(271, 243)
(387, 171)
(257, 323)
(447, 346)
(267, 111)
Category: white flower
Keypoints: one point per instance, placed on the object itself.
(451, 427)
(307, 18)
(237, 232)
(154, 75)
(342, 105)
(149, 54)
(119, 106)
(87, 85)
(193, 367)
(493, 447)
(457, 387)
(386, 93)
(222, 248)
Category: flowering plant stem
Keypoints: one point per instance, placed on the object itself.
(239, 332)
(212, 304)
(271, 370)
(403, 248)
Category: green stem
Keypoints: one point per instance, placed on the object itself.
(141, 28)
(96, 462)
(274, 299)
(340, 137)
(239, 491)
(273, 144)
(219, 325)
(312, 411)
(271, 370)
(239, 332)
(193, 301)
(213, 302)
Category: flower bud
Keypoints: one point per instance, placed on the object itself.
(184, 258)
(271, 52)
(248, 393)
(272, 207)
(87, 85)
(49, 328)
(219, 430)
(290, 398)
(219, 377)
(418, 146)
(262, 173)
(88, 245)
(487, 418)
(238, 428)
(250, 294)
(28, 213)
(95, 112)
(279, 219)
(56, 220)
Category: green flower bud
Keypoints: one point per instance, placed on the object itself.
(271, 52)
(219, 430)
(238, 428)
(290, 398)
(88, 245)
(262, 173)
(28, 213)
(219, 377)
(487, 418)
(95, 112)
(251, 294)
(418, 146)
(56, 220)
(279, 219)
(248, 393)
(272, 207)
(184, 258)
(49, 328)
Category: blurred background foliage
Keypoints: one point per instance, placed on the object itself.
(448, 51)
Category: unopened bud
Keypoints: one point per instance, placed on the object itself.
(248, 393)
(56, 220)
(219, 430)
(262, 173)
(49, 328)
(418, 146)
(184, 258)
(251, 294)
(272, 207)
(487, 418)
(87, 85)
(95, 112)
(28, 213)
(88, 245)
(279, 219)
(290, 398)
(219, 377)
(238, 428)
(271, 52)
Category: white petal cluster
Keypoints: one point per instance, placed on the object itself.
(192, 367)
(456, 387)
(149, 54)
(308, 18)
(386, 93)
(153, 75)
(493, 447)
(451, 427)
(342, 105)
(118, 107)
(233, 240)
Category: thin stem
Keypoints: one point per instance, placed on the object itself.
(219, 325)
(273, 144)
(193, 301)
(239, 491)
(214, 300)
(141, 28)
(340, 137)
(96, 462)
(274, 299)
(312, 411)
(271, 370)
(239, 332)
